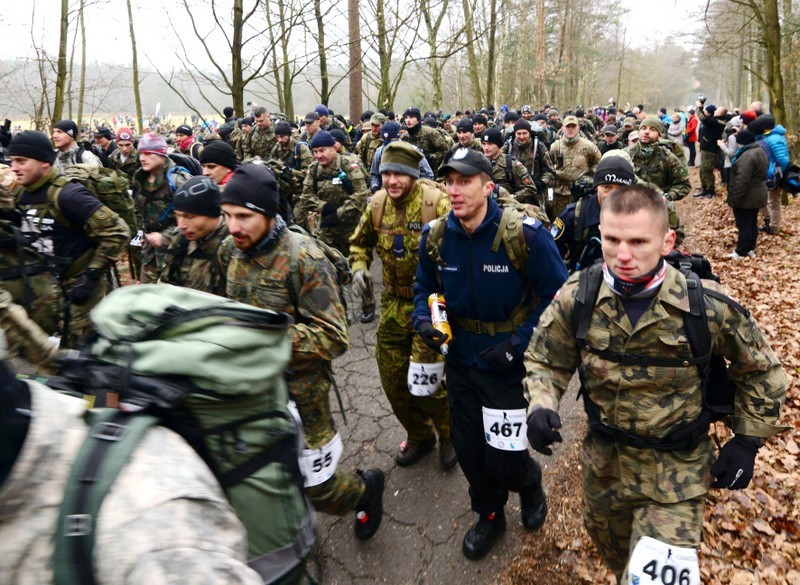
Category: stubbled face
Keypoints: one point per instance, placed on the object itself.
(397, 185)
(324, 155)
(195, 227)
(468, 195)
(634, 243)
(648, 135)
(247, 227)
(283, 139)
(62, 140)
(28, 170)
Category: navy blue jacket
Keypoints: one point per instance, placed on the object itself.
(483, 285)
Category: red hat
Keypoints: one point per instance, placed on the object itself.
(748, 116)
(124, 134)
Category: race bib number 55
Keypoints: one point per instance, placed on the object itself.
(506, 429)
(658, 563)
(319, 465)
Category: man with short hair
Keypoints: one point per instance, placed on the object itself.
(125, 159)
(191, 258)
(105, 146)
(646, 460)
(573, 156)
(185, 142)
(392, 225)
(219, 161)
(530, 148)
(241, 135)
(66, 221)
(507, 171)
(483, 362)
(610, 139)
(370, 141)
(465, 133)
(390, 132)
(261, 139)
(656, 164)
(270, 266)
(65, 136)
(432, 144)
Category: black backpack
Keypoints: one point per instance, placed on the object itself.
(189, 163)
(718, 388)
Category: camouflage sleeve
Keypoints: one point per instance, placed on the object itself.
(308, 201)
(761, 383)
(24, 336)
(321, 330)
(679, 186)
(247, 144)
(675, 223)
(547, 171)
(306, 158)
(552, 355)
(362, 242)
(526, 189)
(443, 206)
(224, 253)
(186, 565)
(354, 204)
(594, 157)
(111, 235)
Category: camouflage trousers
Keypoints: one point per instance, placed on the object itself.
(396, 342)
(708, 160)
(616, 517)
(341, 493)
(152, 263)
(557, 205)
(80, 323)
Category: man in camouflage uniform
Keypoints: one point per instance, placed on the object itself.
(573, 156)
(261, 139)
(191, 258)
(370, 141)
(530, 148)
(69, 223)
(427, 139)
(647, 459)
(65, 136)
(125, 159)
(465, 135)
(183, 531)
(240, 136)
(153, 186)
(334, 194)
(479, 123)
(25, 338)
(328, 122)
(402, 207)
(269, 266)
(656, 164)
(507, 171)
(553, 121)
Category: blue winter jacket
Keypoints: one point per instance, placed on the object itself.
(483, 285)
(776, 149)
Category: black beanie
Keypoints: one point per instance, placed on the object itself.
(745, 137)
(32, 144)
(68, 127)
(522, 124)
(253, 186)
(614, 170)
(220, 153)
(283, 128)
(493, 135)
(198, 196)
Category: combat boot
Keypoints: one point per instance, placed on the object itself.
(481, 536)
(369, 511)
(447, 454)
(410, 452)
(534, 507)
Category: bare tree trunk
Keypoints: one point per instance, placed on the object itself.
(356, 79)
(384, 58)
(277, 71)
(491, 63)
(792, 96)
(618, 95)
(471, 56)
(82, 88)
(70, 76)
(323, 60)
(772, 38)
(237, 76)
(61, 68)
(541, 36)
(135, 63)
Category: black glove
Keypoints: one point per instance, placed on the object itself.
(543, 425)
(502, 356)
(84, 286)
(432, 337)
(734, 467)
(330, 221)
(328, 209)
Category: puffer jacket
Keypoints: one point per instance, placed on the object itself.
(747, 187)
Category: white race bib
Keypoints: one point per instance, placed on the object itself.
(549, 193)
(506, 430)
(657, 563)
(137, 239)
(425, 379)
(319, 465)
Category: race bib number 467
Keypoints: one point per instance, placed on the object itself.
(657, 563)
(505, 429)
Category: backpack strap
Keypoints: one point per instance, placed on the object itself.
(111, 440)
(511, 233)
(433, 245)
(378, 208)
(509, 173)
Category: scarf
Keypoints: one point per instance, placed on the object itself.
(640, 287)
(185, 143)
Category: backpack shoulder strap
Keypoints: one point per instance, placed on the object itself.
(430, 201)
(511, 233)
(589, 281)
(111, 440)
(433, 244)
(378, 207)
(294, 260)
(53, 192)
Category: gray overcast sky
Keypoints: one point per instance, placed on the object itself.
(107, 26)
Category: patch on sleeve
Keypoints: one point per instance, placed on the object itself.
(531, 221)
(557, 229)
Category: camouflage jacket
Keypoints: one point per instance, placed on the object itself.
(297, 155)
(571, 160)
(24, 337)
(87, 157)
(238, 140)
(193, 264)
(128, 168)
(154, 200)
(165, 521)
(652, 401)
(430, 141)
(323, 185)
(259, 143)
(400, 218)
(366, 147)
(536, 158)
(512, 174)
(474, 145)
(262, 277)
(662, 168)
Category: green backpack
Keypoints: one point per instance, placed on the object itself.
(212, 370)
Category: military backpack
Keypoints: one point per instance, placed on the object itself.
(212, 370)
(431, 194)
(718, 389)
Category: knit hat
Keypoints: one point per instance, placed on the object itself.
(68, 127)
(253, 186)
(479, 119)
(184, 129)
(493, 136)
(390, 131)
(338, 135)
(413, 112)
(465, 125)
(198, 196)
(711, 108)
(220, 153)
(526, 109)
(511, 116)
(247, 121)
(322, 138)
(653, 122)
(153, 144)
(538, 117)
(104, 132)
(283, 128)
(745, 137)
(124, 134)
(522, 124)
(748, 116)
(467, 161)
(614, 170)
(321, 110)
(400, 157)
(32, 144)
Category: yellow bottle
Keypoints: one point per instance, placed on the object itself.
(439, 318)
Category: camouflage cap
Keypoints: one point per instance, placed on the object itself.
(570, 121)
(377, 119)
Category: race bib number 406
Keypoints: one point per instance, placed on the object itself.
(506, 429)
(658, 563)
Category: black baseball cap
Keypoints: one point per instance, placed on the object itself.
(467, 161)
